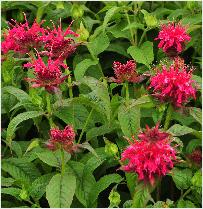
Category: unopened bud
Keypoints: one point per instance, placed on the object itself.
(114, 198)
(110, 148)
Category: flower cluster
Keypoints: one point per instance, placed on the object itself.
(150, 157)
(22, 38)
(173, 38)
(62, 139)
(173, 84)
(126, 72)
(48, 76)
(56, 43)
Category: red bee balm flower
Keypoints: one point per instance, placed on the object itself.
(126, 72)
(173, 84)
(172, 38)
(21, 38)
(48, 76)
(58, 45)
(151, 156)
(62, 139)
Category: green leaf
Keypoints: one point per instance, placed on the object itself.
(38, 187)
(99, 95)
(142, 102)
(53, 158)
(60, 191)
(99, 131)
(193, 144)
(109, 15)
(197, 179)
(144, 54)
(131, 182)
(178, 130)
(32, 145)
(85, 181)
(15, 192)
(99, 44)
(82, 67)
(20, 169)
(18, 93)
(17, 120)
(101, 185)
(182, 178)
(196, 114)
(75, 114)
(129, 119)
(141, 196)
(7, 182)
(185, 204)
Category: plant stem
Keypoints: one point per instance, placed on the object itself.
(186, 193)
(168, 117)
(70, 88)
(127, 92)
(62, 163)
(143, 35)
(131, 32)
(49, 117)
(85, 125)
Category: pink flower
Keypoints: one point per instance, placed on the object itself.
(173, 38)
(126, 72)
(62, 139)
(22, 38)
(48, 76)
(173, 84)
(151, 156)
(58, 46)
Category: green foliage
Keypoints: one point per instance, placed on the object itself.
(182, 178)
(60, 191)
(143, 54)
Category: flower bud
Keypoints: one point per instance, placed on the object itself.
(114, 198)
(84, 33)
(23, 194)
(150, 20)
(110, 148)
(77, 11)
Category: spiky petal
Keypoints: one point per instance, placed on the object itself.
(173, 84)
(151, 156)
(126, 72)
(172, 38)
(62, 139)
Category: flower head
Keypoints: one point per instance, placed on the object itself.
(21, 38)
(150, 157)
(172, 38)
(196, 156)
(173, 84)
(59, 46)
(126, 72)
(48, 76)
(62, 139)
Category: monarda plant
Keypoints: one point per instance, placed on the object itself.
(101, 104)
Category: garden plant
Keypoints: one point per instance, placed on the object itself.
(101, 104)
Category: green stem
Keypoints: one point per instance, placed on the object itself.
(186, 193)
(143, 35)
(49, 117)
(127, 92)
(168, 117)
(70, 87)
(85, 125)
(131, 32)
(62, 163)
